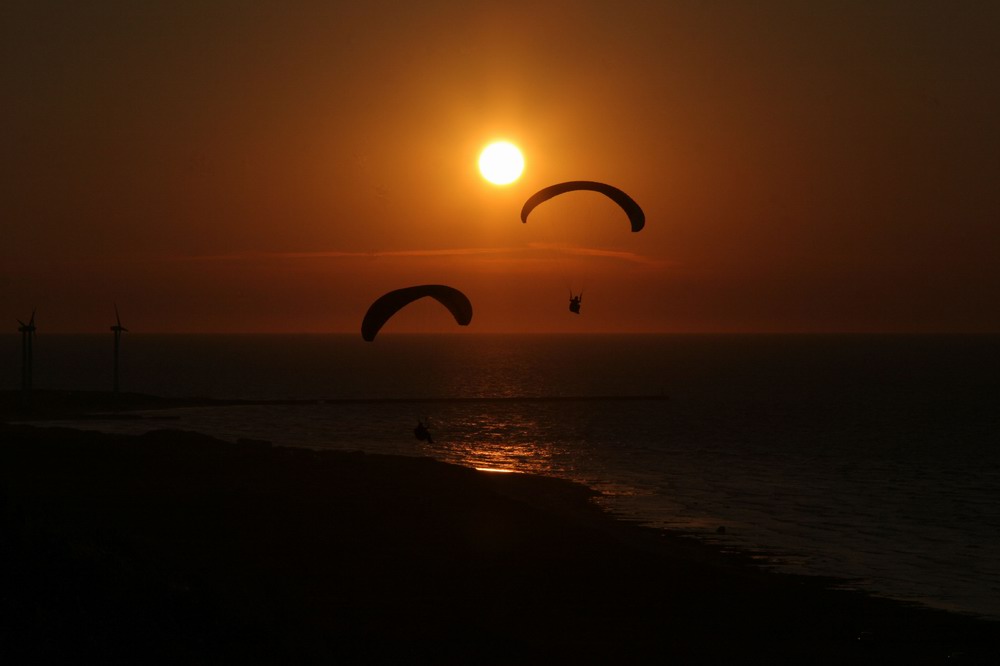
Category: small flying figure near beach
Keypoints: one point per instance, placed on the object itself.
(574, 303)
(422, 433)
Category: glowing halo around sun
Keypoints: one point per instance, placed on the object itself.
(501, 163)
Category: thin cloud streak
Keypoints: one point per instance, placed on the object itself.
(630, 257)
(512, 253)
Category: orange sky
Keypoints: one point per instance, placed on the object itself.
(213, 167)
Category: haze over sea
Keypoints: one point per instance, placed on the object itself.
(871, 458)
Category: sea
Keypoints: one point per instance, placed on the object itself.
(874, 459)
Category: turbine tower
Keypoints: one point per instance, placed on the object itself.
(27, 331)
(117, 329)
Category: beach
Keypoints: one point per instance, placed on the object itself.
(174, 547)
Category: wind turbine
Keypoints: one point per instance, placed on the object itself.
(117, 329)
(27, 331)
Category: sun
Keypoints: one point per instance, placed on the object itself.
(501, 163)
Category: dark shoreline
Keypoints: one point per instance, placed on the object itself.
(176, 547)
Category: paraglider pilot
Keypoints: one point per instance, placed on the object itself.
(422, 433)
(574, 303)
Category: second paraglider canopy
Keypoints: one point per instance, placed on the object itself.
(389, 304)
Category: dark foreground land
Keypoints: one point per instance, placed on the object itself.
(174, 547)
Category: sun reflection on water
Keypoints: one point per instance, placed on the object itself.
(499, 441)
(532, 457)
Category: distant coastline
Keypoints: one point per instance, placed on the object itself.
(51, 404)
(54, 405)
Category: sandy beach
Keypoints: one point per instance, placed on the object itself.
(174, 547)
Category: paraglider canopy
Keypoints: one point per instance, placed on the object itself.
(635, 215)
(387, 305)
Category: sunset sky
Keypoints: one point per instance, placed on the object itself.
(276, 166)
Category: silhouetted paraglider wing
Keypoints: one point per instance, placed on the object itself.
(389, 304)
(627, 203)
